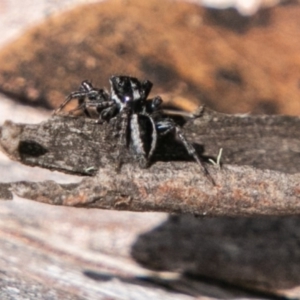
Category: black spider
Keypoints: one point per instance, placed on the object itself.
(138, 120)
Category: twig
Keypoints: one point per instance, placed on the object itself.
(78, 145)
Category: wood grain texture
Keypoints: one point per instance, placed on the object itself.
(78, 145)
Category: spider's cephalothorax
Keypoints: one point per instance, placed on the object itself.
(129, 92)
(94, 103)
(138, 121)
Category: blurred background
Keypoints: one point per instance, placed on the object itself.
(242, 59)
(233, 56)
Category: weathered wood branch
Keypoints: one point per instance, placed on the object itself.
(172, 183)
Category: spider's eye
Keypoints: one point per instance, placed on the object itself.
(127, 99)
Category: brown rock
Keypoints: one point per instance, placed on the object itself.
(195, 55)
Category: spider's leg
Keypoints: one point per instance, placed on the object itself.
(143, 141)
(153, 106)
(123, 118)
(173, 112)
(196, 114)
(72, 96)
(147, 86)
(192, 151)
(154, 138)
(108, 113)
(166, 125)
(154, 135)
(100, 109)
(137, 142)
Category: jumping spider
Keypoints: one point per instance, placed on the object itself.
(138, 120)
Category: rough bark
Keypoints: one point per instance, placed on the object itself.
(171, 184)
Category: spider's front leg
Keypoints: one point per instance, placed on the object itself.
(167, 125)
(104, 111)
(143, 138)
(122, 120)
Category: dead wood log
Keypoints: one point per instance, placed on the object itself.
(172, 183)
